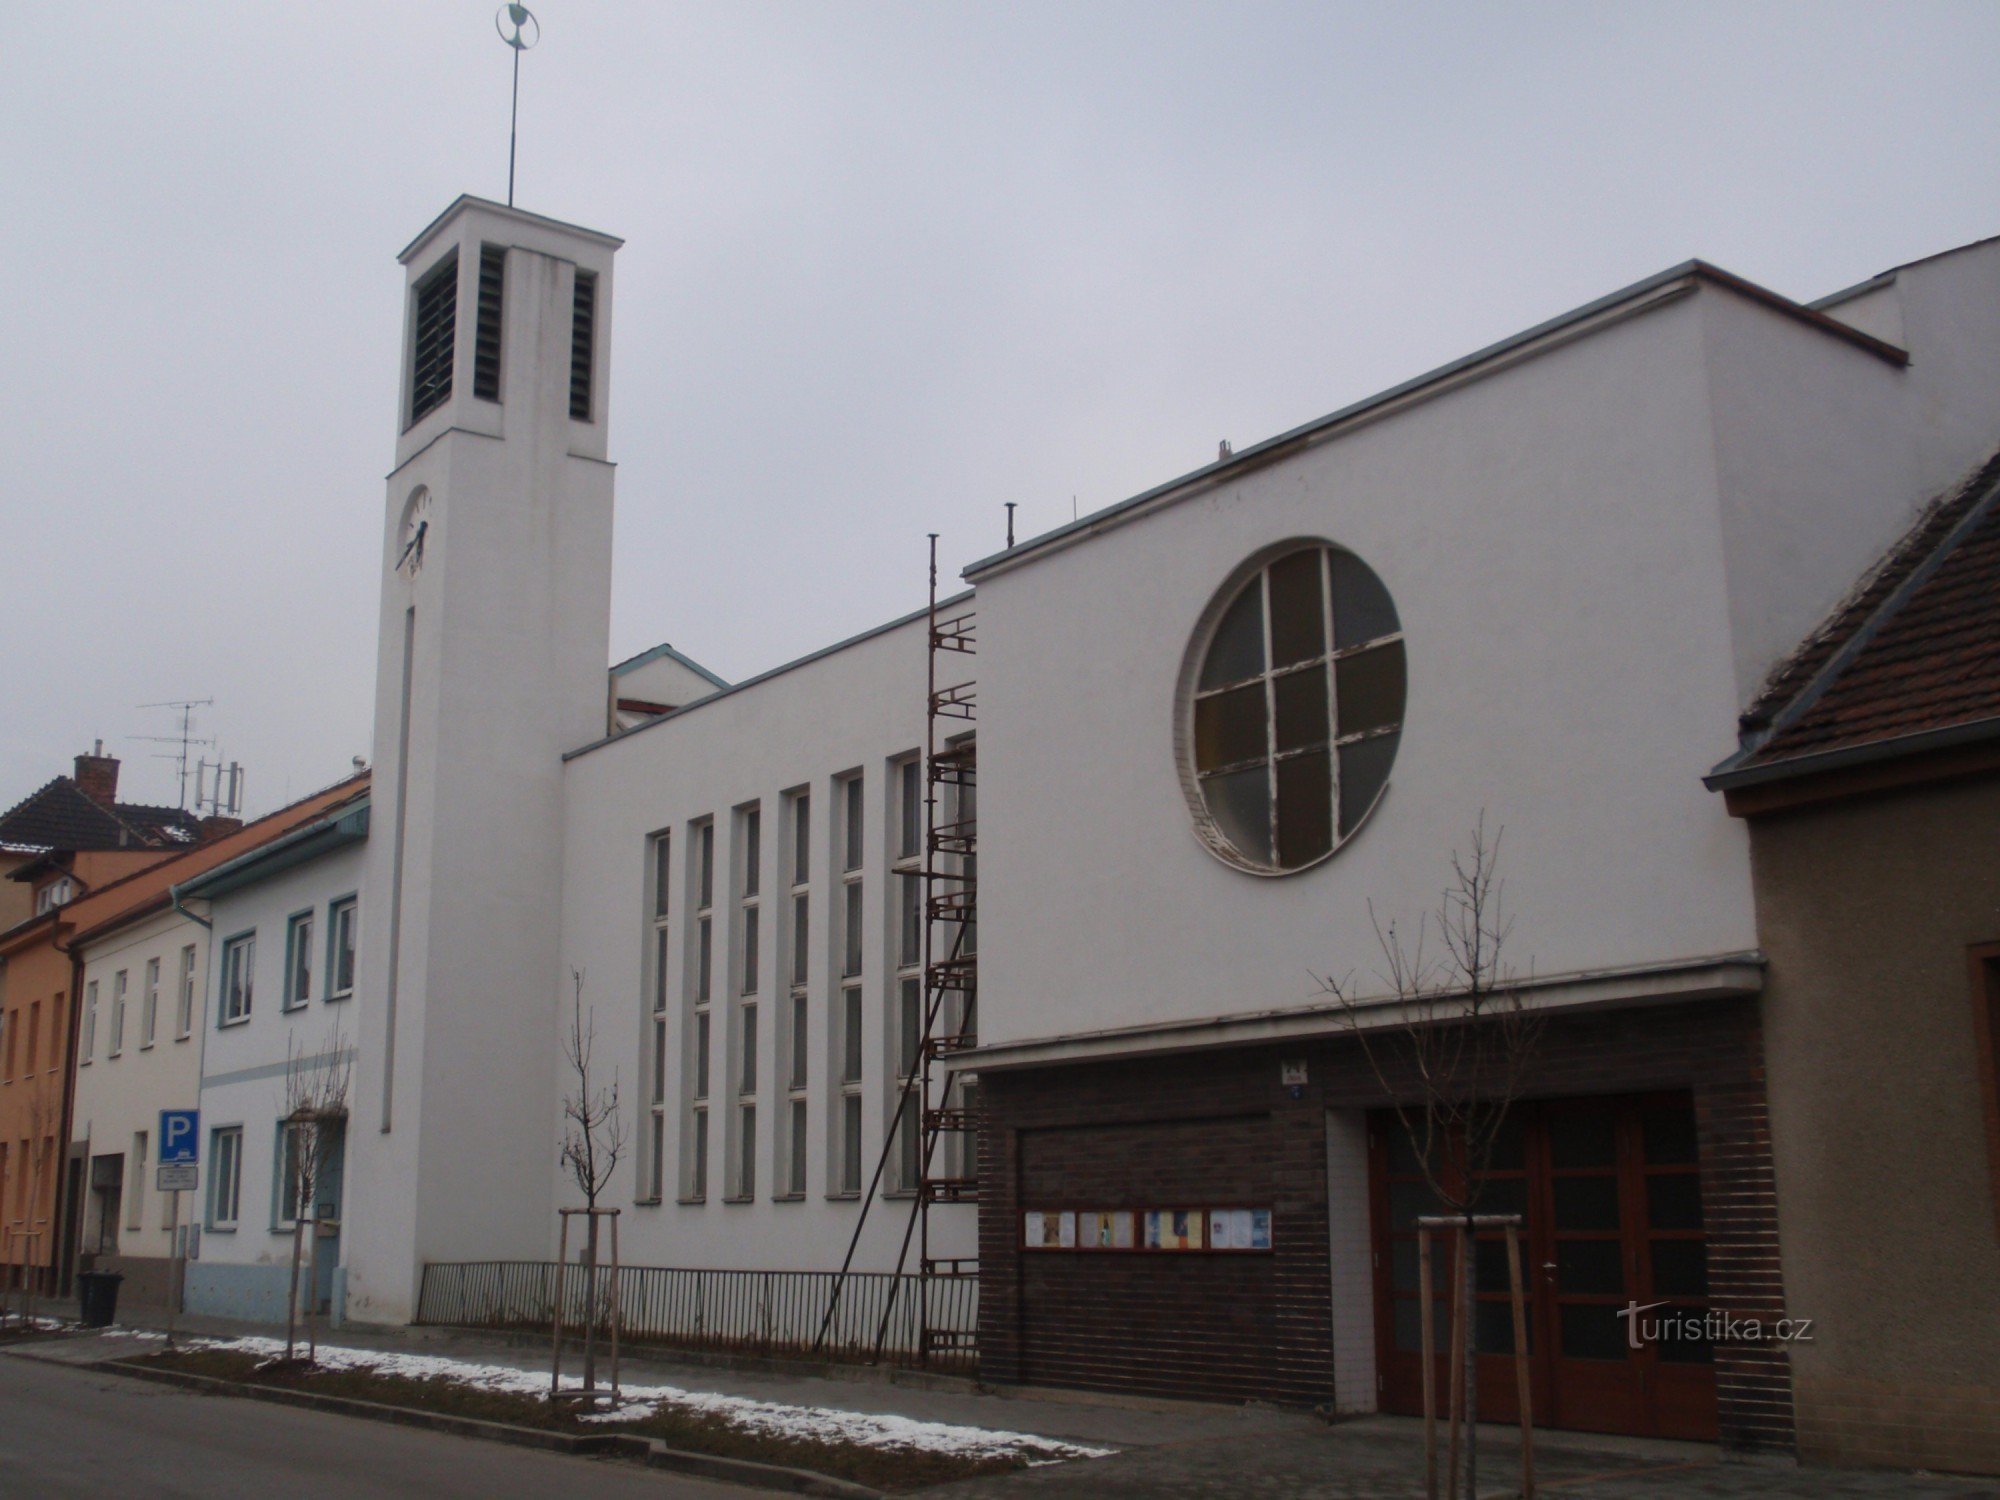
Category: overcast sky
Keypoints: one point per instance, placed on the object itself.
(887, 267)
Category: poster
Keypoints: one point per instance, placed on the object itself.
(1260, 1229)
(1048, 1231)
(1105, 1229)
(1174, 1229)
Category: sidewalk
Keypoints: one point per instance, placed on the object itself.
(1168, 1450)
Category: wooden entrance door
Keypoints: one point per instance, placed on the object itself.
(1610, 1193)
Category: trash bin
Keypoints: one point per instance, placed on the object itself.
(97, 1297)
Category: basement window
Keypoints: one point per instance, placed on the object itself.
(1293, 692)
(431, 341)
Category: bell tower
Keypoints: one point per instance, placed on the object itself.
(494, 637)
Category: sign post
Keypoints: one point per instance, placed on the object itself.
(180, 1154)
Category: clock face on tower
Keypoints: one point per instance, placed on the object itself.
(412, 534)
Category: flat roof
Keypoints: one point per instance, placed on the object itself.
(1690, 272)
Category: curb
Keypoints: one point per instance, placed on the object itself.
(649, 1451)
(640, 1351)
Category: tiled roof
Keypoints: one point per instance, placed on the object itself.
(60, 816)
(1915, 649)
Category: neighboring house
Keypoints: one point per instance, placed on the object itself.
(283, 995)
(1869, 780)
(144, 967)
(69, 838)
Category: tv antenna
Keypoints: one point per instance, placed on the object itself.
(520, 30)
(185, 740)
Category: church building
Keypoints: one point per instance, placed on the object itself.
(1030, 939)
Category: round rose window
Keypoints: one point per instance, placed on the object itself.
(1294, 696)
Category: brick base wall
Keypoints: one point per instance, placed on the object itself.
(1219, 1127)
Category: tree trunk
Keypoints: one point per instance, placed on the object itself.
(590, 1304)
(292, 1301)
(312, 1290)
(1469, 1293)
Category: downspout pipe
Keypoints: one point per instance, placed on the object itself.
(174, 896)
(60, 1208)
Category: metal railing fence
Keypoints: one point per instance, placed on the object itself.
(748, 1312)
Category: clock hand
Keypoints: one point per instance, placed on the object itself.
(414, 545)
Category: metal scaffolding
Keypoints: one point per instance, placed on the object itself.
(932, 1100)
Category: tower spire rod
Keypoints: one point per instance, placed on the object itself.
(525, 33)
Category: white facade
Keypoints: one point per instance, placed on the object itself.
(1599, 543)
(811, 730)
(1599, 537)
(285, 918)
(132, 1072)
(491, 664)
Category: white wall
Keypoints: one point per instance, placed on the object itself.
(117, 1097)
(857, 708)
(1549, 536)
(244, 1064)
(510, 643)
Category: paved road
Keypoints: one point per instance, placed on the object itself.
(68, 1432)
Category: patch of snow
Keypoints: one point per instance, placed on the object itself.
(772, 1418)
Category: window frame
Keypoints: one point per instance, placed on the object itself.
(214, 1222)
(1983, 960)
(698, 995)
(299, 922)
(244, 943)
(1191, 693)
(658, 961)
(87, 1038)
(343, 916)
(149, 1004)
(185, 996)
(121, 986)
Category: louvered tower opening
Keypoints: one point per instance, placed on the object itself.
(486, 327)
(582, 345)
(437, 325)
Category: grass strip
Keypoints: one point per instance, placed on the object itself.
(877, 1467)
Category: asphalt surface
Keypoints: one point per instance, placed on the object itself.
(73, 1432)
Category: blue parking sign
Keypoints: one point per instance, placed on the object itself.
(180, 1135)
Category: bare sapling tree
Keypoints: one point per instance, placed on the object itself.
(593, 1143)
(315, 1121)
(1451, 1040)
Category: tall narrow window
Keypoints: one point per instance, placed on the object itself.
(582, 345)
(225, 1176)
(750, 839)
(905, 1085)
(486, 328)
(239, 956)
(797, 1003)
(135, 1201)
(695, 1070)
(909, 808)
(848, 1019)
(342, 918)
(298, 960)
(184, 1019)
(436, 326)
(659, 906)
(118, 982)
(149, 1005)
(89, 1048)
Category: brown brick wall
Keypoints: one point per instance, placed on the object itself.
(1218, 1127)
